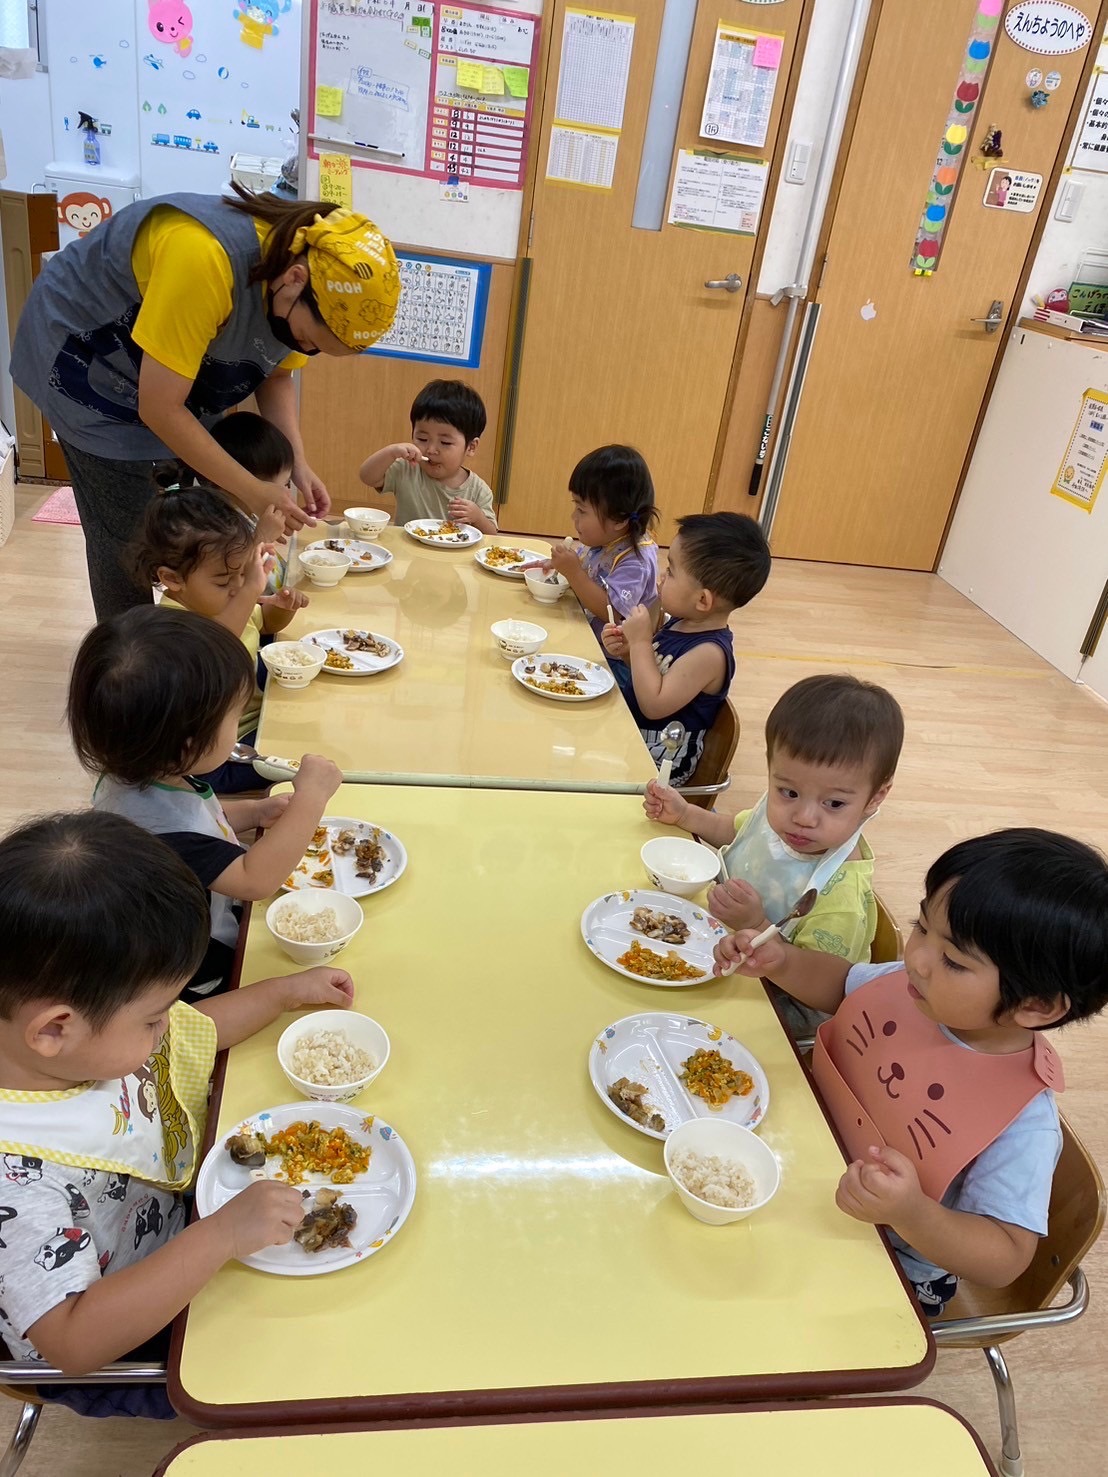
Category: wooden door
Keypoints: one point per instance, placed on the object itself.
(899, 370)
(622, 340)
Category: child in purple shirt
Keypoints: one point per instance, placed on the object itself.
(616, 561)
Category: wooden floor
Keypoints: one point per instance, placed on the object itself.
(995, 738)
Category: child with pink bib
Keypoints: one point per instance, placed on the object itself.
(937, 1072)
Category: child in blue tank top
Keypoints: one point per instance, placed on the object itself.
(717, 563)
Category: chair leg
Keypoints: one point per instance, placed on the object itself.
(12, 1459)
(1011, 1459)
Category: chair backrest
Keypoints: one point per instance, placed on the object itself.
(1077, 1209)
(888, 945)
(720, 743)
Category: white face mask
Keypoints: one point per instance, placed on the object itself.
(780, 875)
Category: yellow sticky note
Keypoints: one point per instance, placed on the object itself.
(328, 102)
(336, 184)
(517, 80)
(471, 75)
(492, 82)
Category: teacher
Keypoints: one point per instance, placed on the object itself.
(136, 338)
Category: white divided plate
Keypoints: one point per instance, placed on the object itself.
(596, 682)
(426, 531)
(651, 1049)
(512, 571)
(366, 664)
(606, 929)
(382, 1197)
(396, 859)
(367, 557)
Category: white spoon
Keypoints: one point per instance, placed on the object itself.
(672, 737)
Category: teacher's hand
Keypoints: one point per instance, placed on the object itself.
(317, 500)
(263, 500)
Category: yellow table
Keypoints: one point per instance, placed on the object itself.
(451, 713)
(547, 1264)
(898, 1438)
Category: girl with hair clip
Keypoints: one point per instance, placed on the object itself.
(615, 561)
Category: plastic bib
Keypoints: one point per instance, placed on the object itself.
(781, 876)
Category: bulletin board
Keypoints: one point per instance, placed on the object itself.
(424, 88)
(441, 317)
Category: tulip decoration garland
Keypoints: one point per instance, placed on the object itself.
(951, 153)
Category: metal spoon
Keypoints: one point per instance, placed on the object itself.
(802, 909)
(673, 737)
(246, 754)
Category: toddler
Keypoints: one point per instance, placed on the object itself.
(155, 698)
(428, 475)
(832, 746)
(717, 563)
(266, 453)
(203, 552)
(104, 1087)
(616, 561)
(957, 1161)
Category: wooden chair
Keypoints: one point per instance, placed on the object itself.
(888, 944)
(19, 1378)
(711, 775)
(984, 1318)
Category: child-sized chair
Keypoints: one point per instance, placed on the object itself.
(19, 1378)
(710, 777)
(888, 942)
(984, 1318)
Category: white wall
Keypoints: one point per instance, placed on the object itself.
(1063, 242)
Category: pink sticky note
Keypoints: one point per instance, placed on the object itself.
(767, 51)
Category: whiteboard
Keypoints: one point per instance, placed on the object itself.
(410, 208)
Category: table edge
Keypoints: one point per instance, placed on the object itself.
(257, 1432)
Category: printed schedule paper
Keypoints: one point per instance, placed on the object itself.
(596, 62)
(741, 87)
(582, 156)
(717, 192)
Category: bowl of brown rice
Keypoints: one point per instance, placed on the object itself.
(312, 927)
(722, 1171)
(332, 1055)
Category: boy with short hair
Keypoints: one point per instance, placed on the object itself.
(428, 475)
(937, 1073)
(104, 1089)
(832, 746)
(717, 563)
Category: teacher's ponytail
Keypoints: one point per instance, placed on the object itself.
(284, 218)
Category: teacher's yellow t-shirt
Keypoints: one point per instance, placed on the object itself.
(185, 281)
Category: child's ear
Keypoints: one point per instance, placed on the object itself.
(1035, 1014)
(50, 1029)
(169, 578)
(705, 602)
(877, 799)
(473, 445)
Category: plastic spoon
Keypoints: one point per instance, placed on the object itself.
(673, 737)
(246, 754)
(802, 909)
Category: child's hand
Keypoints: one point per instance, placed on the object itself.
(563, 559)
(614, 641)
(882, 1189)
(270, 527)
(762, 963)
(665, 804)
(269, 810)
(462, 510)
(265, 1214)
(737, 904)
(321, 986)
(258, 567)
(638, 626)
(407, 451)
(286, 599)
(318, 777)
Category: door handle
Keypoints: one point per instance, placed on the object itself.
(995, 318)
(731, 283)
